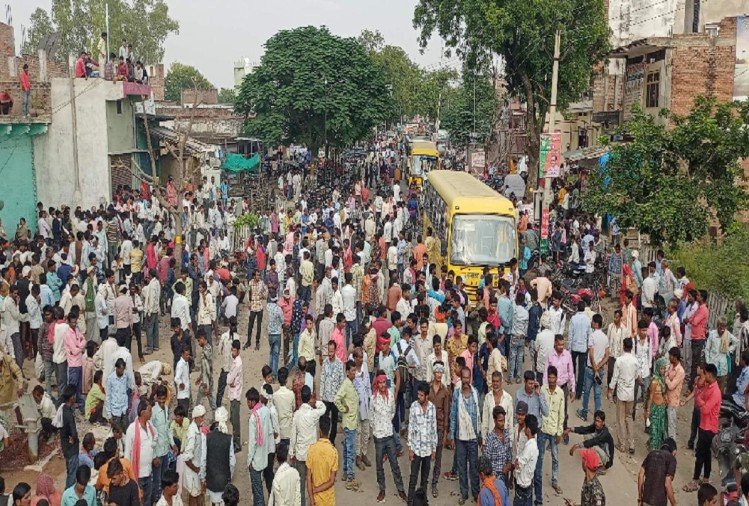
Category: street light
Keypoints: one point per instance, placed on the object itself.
(325, 119)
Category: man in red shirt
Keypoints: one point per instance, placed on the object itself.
(708, 403)
(25, 80)
(698, 323)
(80, 66)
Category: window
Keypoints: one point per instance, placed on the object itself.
(653, 89)
(119, 106)
(482, 239)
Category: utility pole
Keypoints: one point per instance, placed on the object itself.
(546, 201)
(74, 124)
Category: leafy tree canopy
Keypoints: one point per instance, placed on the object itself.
(182, 77)
(227, 95)
(458, 109)
(312, 86)
(672, 183)
(522, 33)
(143, 23)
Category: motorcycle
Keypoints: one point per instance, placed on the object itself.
(733, 414)
(726, 446)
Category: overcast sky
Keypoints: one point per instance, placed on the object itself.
(214, 34)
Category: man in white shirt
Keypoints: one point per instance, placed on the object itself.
(151, 296)
(543, 345)
(284, 402)
(304, 433)
(595, 368)
(626, 373)
(286, 488)
(649, 287)
(182, 379)
(181, 309)
(348, 296)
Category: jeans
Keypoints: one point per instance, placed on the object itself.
(305, 292)
(25, 102)
(579, 359)
(152, 331)
(235, 423)
(352, 328)
(517, 355)
(274, 340)
(687, 356)
(349, 450)
(332, 411)
(49, 370)
(703, 453)
(671, 431)
(419, 465)
(255, 316)
(146, 485)
(158, 473)
(523, 496)
(75, 378)
(71, 466)
(294, 352)
(61, 373)
(545, 440)
(301, 467)
(18, 347)
(256, 480)
(591, 383)
(386, 446)
(468, 454)
(221, 387)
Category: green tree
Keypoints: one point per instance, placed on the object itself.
(143, 23)
(372, 41)
(672, 183)
(467, 109)
(227, 96)
(182, 77)
(315, 88)
(522, 33)
(40, 25)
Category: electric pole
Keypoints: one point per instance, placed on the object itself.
(546, 200)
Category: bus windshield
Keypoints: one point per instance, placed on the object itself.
(421, 164)
(482, 239)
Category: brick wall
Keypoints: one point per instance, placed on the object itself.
(11, 63)
(207, 97)
(703, 65)
(39, 105)
(7, 42)
(156, 80)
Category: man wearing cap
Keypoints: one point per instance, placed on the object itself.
(193, 452)
(591, 493)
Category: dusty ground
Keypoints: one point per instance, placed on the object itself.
(619, 483)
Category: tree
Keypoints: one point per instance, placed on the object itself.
(315, 88)
(40, 25)
(227, 96)
(522, 33)
(672, 183)
(182, 77)
(372, 41)
(459, 113)
(79, 23)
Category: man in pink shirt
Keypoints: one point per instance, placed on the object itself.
(23, 77)
(562, 360)
(75, 343)
(708, 403)
(674, 382)
(698, 324)
(339, 337)
(647, 315)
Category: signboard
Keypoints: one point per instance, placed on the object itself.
(545, 231)
(478, 161)
(741, 71)
(550, 158)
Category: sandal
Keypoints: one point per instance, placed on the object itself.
(690, 487)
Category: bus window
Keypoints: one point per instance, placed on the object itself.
(482, 240)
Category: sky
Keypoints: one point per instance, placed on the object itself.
(214, 34)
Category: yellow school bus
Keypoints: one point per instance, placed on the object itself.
(474, 225)
(424, 158)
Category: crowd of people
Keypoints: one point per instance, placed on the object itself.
(369, 342)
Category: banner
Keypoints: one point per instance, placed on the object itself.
(478, 161)
(550, 156)
(544, 246)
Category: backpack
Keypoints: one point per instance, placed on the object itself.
(402, 367)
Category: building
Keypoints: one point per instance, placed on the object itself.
(18, 164)
(242, 68)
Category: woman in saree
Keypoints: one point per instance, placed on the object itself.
(627, 283)
(656, 406)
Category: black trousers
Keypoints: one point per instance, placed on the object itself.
(697, 347)
(694, 426)
(269, 473)
(703, 454)
(578, 363)
(221, 387)
(255, 316)
(332, 412)
(419, 465)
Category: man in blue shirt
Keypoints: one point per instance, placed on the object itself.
(578, 343)
(491, 490)
(530, 396)
(505, 309)
(116, 402)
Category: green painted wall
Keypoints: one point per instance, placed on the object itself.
(17, 180)
(120, 128)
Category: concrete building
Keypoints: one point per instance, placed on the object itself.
(103, 130)
(242, 68)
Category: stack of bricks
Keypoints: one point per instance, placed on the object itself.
(156, 80)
